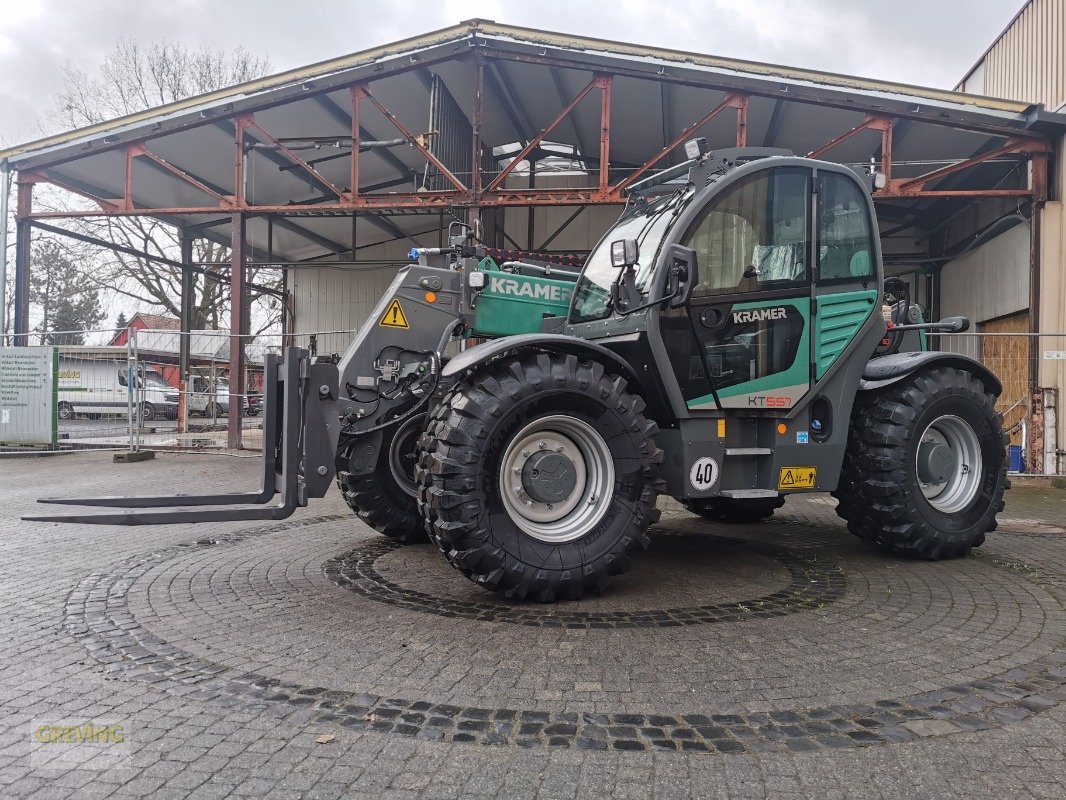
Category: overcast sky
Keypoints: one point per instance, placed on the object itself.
(928, 42)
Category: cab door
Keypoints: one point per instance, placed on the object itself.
(743, 342)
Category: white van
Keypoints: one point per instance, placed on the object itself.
(95, 388)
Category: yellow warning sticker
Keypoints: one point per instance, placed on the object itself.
(721, 429)
(394, 316)
(797, 478)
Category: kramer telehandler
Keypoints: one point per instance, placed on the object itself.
(731, 340)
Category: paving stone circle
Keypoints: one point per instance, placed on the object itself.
(97, 615)
(814, 583)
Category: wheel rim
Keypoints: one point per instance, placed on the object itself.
(949, 437)
(64, 411)
(574, 499)
(402, 454)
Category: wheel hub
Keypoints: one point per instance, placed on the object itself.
(556, 478)
(936, 462)
(949, 464)
(403, 454)
(549, 477)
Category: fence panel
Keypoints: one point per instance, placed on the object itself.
(90, 399)
(1030, 414)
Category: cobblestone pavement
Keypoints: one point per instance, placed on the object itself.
(312, 658)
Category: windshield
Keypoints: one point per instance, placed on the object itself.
(154, 379)
(648, 224)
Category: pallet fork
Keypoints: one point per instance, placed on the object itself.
(300, 433)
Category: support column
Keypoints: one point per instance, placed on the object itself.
(188, 295)
(23, 232)
(238, 299)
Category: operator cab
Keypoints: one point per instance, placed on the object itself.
(779, 257)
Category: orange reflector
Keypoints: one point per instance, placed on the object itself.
(782, 428)
(431, 297)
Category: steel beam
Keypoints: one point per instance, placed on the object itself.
(605, 132)
(731, 101)
(23, 259)
(908, 187)
(140, 150)
(188, 296)
(345, 119)
(872, 122)
(418, 142)
(280, 147)
(236, 342)
(560, 93)
(795, 94)
(597, 82)
(664, 109)
(774, 126)
(500, 85)
(311, 236)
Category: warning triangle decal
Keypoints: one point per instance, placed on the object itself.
(787, 479)
(394, 316)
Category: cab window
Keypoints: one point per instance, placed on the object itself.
(845, 235)
(754, 236)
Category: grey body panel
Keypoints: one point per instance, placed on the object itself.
(886, 370)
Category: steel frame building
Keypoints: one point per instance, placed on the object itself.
(312, 167)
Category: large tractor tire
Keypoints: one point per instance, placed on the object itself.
(925, 467)
(735, 510)
(385, 500)
(537, 477)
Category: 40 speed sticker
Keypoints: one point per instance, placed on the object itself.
(704, 474)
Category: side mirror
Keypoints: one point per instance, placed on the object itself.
(624, 253)
(681, 272)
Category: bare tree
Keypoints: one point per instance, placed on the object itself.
(134, 77)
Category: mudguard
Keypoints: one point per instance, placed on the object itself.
(546, 342)
(887, 370)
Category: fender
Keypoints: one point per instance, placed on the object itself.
(887, 370)
(485, 352)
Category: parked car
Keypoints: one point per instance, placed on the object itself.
(96, 388)
(211, 400)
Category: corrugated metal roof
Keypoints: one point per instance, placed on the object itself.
(274, 88)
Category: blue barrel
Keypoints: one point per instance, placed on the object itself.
(1017, 464)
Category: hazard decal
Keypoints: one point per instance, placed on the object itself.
(394, 316)
(797, 478)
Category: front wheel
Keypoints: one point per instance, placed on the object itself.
(66, 411)
(537, 477)
(925, 467)
(385, 499)
(147, 412)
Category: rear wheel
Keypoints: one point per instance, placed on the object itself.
(925, 467)
(735, 510)
(537, 477)
(66, 411)
(385, 499)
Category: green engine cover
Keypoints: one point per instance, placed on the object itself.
(511, 303)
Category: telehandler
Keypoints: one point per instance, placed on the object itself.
(731, 340)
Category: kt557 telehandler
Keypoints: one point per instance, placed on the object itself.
(731, 340)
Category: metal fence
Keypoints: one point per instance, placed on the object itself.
(121, 389)
(1032, 369)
